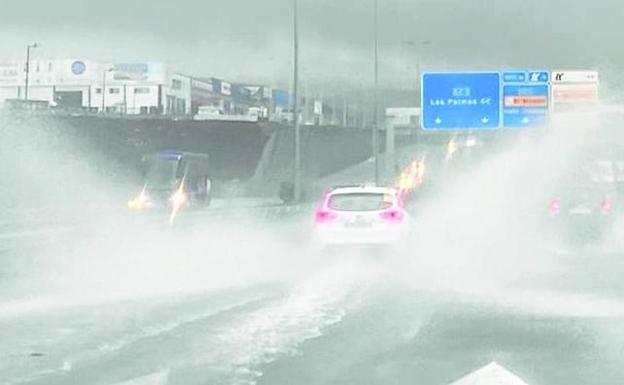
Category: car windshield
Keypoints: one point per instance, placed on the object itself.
(360, 202)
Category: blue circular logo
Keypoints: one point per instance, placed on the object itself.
(78, 67)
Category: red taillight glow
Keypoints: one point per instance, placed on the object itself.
(323, 216)
(606, 206)
(392, 215)
(554, 207)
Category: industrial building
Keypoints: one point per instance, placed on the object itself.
(152, 88)
(72, 84)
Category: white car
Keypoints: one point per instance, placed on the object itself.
(361, 215)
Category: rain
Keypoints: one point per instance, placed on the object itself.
(311, 192)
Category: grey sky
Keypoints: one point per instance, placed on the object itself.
(250, 39)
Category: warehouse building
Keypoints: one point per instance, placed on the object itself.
(82, 85)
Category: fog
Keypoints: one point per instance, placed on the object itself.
(205, 38)
(239, 292)
(482, 233)
(73, 249)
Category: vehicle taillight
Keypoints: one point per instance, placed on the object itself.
(392, 215)
(554, 207)
(606, 206)
(323, 216)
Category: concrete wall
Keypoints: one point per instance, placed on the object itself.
(325, 150)
(259, 153)
(235, 147)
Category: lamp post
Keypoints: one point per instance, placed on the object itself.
(110, 69)
(375, 129)
(295, 105)
(28, 48)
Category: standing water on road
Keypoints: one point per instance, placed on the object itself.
(383, 192)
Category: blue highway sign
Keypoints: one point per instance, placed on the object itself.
(460, 100)
(525, 98)
(514, 77)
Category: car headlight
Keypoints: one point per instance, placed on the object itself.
(179, 198)
(141, 201)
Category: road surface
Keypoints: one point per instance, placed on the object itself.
(243, 301)
(235, 295)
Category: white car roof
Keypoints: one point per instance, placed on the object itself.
(363, 189)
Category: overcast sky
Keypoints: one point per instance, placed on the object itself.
(250, 40)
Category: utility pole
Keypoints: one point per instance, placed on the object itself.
(295, 105)
(28, 48)
(375, 133)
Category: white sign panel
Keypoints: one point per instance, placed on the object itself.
(560, 77)
(69, 72)
(226, 88)
(403, 116)
(153, 72)
(574, 89)
(253, 90)
(11, 73)
(318, 107)
(201, 85)
(575, 93)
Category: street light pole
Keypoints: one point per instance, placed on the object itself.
(295, 105)
(375, 133)
(104, 88)
(28, 48)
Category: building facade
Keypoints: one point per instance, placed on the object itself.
(126, 88)
(151, 88)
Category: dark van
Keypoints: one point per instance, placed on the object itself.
(175, 178)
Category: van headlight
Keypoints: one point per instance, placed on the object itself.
(140, 202)
(179, 198)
